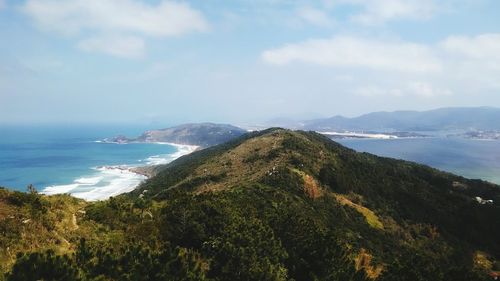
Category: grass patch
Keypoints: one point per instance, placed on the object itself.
(371, 218)
(311, 186)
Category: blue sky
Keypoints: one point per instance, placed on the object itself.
(242, 61)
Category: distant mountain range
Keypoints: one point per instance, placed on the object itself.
(475, 122)
(457, 118)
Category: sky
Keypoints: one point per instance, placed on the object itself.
(242, 61)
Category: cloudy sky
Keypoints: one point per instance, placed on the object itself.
(242, 61)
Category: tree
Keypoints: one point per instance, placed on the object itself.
(31, 189)
(247, 250)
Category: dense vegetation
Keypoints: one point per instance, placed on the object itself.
(271, 205)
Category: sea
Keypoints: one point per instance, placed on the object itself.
(471, 158)
(76, 160)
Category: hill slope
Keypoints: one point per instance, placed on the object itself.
(285, 205)
(392, 195)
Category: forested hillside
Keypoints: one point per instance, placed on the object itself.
(270, 205)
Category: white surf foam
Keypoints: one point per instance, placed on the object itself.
(89, 181)
(110, 181)
(360, 135)
(107, 181)
(182, 149)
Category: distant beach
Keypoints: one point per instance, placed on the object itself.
(182, 149)
(113, 180)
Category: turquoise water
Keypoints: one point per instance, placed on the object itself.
(62, 156)
(478, 159)
(68, 159)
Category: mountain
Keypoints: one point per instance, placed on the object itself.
(466, 118)
(200, 134)
(269, 205)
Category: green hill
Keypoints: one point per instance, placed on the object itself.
(199, 134)
(270, 205)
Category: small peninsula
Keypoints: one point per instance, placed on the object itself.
(198, 134)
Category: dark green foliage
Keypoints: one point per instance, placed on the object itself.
(138, 263)
(284, 178)
(131, 263)
(190, 184)
(417, 267)
(256, 233)
(327, 176)
(246, 250)
(134, 262)
(10, 230)
(252, 158)
(328, 260)
(43, 266)
(188, 220)
(31, 199)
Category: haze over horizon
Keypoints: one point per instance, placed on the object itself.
(152, 61)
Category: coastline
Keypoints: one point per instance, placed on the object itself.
(107, 181)
(153, 161)
(360, 135)
(182, 149)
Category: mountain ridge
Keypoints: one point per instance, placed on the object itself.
(210, 177)
(449, 118)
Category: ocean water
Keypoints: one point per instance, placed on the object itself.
(72, 160)
(477, 159)
(69, 160)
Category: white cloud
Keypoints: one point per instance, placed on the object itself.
(315, 17)
(456, 64)
(127, 47)
(357, 52)
(70, 16)
(484, 46)
(414, 88)
(474, 58)
(380, 11)
(132, 20)
(343, 77)
(372, 91)
(2, 4)
(425, 89)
